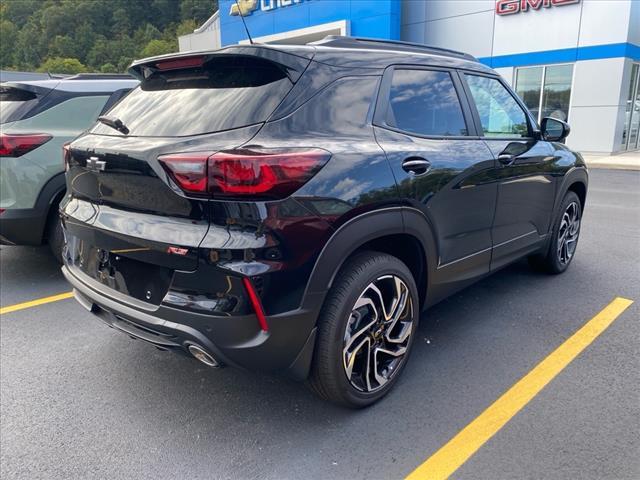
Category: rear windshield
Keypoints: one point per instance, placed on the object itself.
(225, 93)
(15, 103)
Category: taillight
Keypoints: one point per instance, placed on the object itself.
(261, 174)
(177, 63)
(17, 144)
(66, 155)
(189, 170)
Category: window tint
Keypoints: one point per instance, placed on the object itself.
(425, 102)
(500, 114)
(227, 92)
(15, 103)
(114, 98)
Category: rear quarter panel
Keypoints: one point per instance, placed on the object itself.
(23, 178)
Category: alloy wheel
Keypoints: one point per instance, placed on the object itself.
(378, 332)
(568, 233)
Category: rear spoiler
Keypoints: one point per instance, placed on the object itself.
(293, 64)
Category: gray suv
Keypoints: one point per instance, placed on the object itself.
(36, 119)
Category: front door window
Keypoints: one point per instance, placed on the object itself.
(500, 114)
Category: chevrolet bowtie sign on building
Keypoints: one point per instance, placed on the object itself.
(577, 60)
(246, 7)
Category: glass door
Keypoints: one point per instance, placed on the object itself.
(631, 132)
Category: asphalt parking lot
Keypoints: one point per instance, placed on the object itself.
(79, 400)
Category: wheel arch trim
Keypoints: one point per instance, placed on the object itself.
(573, 176)
(360, 230)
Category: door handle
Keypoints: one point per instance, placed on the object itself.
(506, 159)
(416, 166)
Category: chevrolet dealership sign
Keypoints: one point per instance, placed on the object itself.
(510, 7)
(246, 7)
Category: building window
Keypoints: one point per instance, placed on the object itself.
(425, 102)
(631, 133)
(546, 90)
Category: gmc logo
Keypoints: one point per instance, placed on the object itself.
(509, 7)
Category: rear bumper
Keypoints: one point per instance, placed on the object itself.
(286, 348)
(22, 226)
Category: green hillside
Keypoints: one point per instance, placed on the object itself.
(70, 36)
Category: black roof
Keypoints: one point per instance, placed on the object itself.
(396, 45)
(348, 52)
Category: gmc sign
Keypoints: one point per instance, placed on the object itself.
(509, 7)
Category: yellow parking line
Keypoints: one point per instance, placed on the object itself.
(35, 303)
(462, 446)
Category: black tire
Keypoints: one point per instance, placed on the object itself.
(328, 377)
(552, 261)
(55, 235)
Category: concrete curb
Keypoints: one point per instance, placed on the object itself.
(613, 166)
(623, 161)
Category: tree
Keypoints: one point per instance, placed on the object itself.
(185, 27)
(108, 68)
(85, 38)
(198, 10)
(62, 65)
(102, 52)
(54, 21)
(8, 34)
(96, 33)
(157, 47)
(19, 12)
(63, 46)
(145, 34)
(28, 53)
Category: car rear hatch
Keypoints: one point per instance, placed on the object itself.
(126, 216)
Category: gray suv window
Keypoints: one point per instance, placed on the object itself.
(15, 103)
(425, 102)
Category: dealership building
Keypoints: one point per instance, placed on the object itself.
(577, 60)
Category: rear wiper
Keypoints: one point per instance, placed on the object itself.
(114, 123)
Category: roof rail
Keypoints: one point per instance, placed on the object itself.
(100, 76)
(373, 43)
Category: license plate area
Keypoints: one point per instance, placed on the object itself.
(144, 281)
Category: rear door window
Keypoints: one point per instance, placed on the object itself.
(225, 93)
(15, 103)
(425, 102)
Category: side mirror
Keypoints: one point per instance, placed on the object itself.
(554, 130)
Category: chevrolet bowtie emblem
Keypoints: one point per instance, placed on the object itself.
(245, 6)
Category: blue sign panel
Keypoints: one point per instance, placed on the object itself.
(366, 18)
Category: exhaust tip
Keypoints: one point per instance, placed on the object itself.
(203, 356)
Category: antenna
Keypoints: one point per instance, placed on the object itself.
(243, 22)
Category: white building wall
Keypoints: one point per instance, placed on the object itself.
(207, 37)
(599, 87)
(597, 105)
(463, 25)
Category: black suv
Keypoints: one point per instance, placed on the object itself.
(294, 208)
